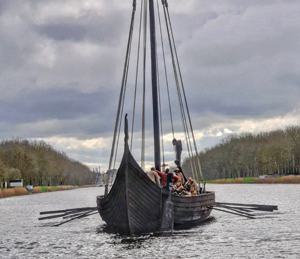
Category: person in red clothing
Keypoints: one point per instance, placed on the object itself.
(163, 177)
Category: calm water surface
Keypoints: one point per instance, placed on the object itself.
(271, 235)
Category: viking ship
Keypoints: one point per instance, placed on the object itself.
(135, 204)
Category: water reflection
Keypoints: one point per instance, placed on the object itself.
(144, 241)
(194, 224)
(127, 242)
(113, 230)
(136, 242)
(48, 224)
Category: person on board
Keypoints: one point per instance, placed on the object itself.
(180, 176)
(175, 179)
(178, 150)
(180, 190)
(191, 185)
(163, 177)
(193, 191)
(153, 175)
(172, 179)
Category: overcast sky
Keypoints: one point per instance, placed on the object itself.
(61, 64)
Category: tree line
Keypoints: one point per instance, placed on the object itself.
(251, 155)
(39, 164)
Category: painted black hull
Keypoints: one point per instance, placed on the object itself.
(137, 205)
(134, 203)
(188, 209)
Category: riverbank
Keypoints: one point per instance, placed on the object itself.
(288, 179)
(9, 192)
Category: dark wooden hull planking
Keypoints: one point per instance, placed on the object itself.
(188, 209)
(135, 204)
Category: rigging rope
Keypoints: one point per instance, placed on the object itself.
(122, 90)
(187, 127)
(185, 99)
(168, 25)
(166, 74)
(183, 106)
(136, 76)
(123, 101)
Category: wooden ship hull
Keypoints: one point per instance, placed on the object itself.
(136, 205)
(188, 209)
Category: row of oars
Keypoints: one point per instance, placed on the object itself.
(245, 210)
(69, 214)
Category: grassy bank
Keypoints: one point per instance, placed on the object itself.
(289, 179)
(9, 192)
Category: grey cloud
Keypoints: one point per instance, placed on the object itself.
(104, 30)
(289, 79)
(78, 113)
(3, 5)
(64, 31)
(9, 54)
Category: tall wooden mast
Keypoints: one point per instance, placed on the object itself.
(154, 87)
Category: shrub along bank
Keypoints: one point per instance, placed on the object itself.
(9, 192)
(13, 192)
(289, 179)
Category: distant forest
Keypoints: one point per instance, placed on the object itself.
(250, 155)
(39, 164)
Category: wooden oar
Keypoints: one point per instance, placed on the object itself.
(67, 213)
(232, 207)
(264, 209)
(86, 214)
(75, 214)
(68, 210)
(251, 206)
(239, 211)
(53, 216)
(239, 214)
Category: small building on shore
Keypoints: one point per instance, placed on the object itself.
(16, 183)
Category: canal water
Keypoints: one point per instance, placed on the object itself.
(270, 235)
